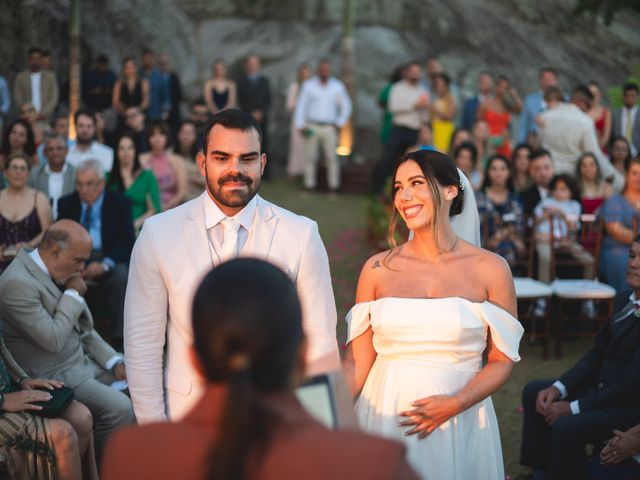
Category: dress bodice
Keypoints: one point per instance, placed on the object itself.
(449, 332)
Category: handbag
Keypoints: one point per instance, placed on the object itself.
(60, 400)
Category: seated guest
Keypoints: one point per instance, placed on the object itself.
(520, 160)
(465, 156)
(135, 121)
(541, 171)
(621, 217)
(593, 189)
(601, 392)
(620, 152)
(558, 222)
(18, 138)
(55, 177)
(24, 212)
(249, 345)
(86, 146)
(107, 218)
(60, 128)
(620, 458)
(66, 452)
(136, 183)
(49, 329)
(500, 210)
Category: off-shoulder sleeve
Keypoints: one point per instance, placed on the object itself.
(506, 330)
(357, 320)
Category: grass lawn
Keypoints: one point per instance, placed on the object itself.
(342, 224)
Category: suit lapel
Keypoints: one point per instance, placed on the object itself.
(39, 274)
(260, 237)
(195, 231)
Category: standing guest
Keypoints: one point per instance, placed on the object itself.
(295, 157)
(136, 123)
(158, 101)
(480, 138)
(186, 146)
(593, 189)
(621, 214)
(86, 146)
(18, 139)
(5, 101)
(626, 120)
(541, 171)
(473, 104)
(465, 156)
(168, 168)
(200, 116)
(408, 103)
(442, 112)
(496, 111)
(620, 153)
(323, 108)
(520, 160)
(249, 346)
(228, 220)
(558, 222)
(55, 178)
(426, 311)
(383, 103)
(97, 85)
(49, 329)
(107, 217)
(139, 185)
(434, 67)
(173, 91)
(599, 394)
(534, 103)
(254, 95)
(219, 91)
(568, 132)
(102, 135)
(60, 128)
(24, 212)
(129, 91)
(36, 86)
(601, 116)
(501, 211)
(39, 128)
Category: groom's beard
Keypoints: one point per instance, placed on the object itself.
(238, 197)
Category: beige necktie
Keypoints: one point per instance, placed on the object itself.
(628, 132)
(230, 242)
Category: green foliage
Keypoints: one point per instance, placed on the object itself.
(615, 93)
(604, 8)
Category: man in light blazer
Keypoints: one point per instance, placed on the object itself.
(36, 86)
(55, 178)
(630, 112)
(49, 329)
(176, 248)
(534, 104)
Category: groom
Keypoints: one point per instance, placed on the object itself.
(176, 248)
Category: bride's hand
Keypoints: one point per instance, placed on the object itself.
(429, 414)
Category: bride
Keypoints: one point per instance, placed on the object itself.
(426, 311)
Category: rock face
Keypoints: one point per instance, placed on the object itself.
(513, 37)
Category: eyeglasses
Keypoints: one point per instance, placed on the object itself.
(18, 168)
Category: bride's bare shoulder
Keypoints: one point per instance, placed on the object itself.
(488, 261)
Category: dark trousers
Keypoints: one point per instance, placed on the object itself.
(400, 139)
(560, 448)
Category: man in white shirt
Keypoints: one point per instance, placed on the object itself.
(600, 393)
(408, 103)
(177, 247)
(55, 178)
(49, 329)
(323, 107)
(36, 86)
(567, 131)
(86, 147)
(626, 120)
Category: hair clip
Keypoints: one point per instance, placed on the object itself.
(461, 186)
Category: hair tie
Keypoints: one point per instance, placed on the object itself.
(239, 362)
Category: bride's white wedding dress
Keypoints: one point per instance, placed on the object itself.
(434, 347)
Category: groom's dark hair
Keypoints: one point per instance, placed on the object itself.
(233, 119)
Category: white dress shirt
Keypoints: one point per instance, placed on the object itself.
(215, 230)
(96, 151)
(403, 97)
(36, 99)
(626, 113)
(320, 102)
(56, 184)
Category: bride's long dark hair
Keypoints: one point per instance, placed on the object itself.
(438, 169)
(247, 326)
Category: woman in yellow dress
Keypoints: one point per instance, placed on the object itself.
(443, 110)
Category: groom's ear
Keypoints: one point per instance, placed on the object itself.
(201, 163)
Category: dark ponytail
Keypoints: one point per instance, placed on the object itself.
(247, 326)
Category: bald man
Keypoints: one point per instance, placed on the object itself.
(49, 329)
